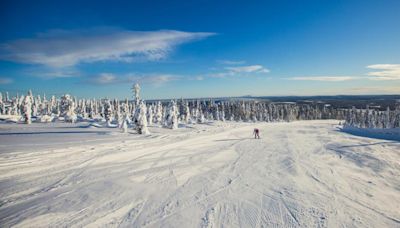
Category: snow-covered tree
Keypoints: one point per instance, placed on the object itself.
(396, 115)
(2, 105)
(136, 92)
(169, 114)
(159, 114)
(387, 123)
(188, 118)
(117, 112)
(172, 116)
(27, 110)
(108, 112)
(124, 124)
(65, 102)
(142, 119)
(150, 114)
(71, 115)
(67, 108)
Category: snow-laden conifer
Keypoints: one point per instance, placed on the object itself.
(27, 110)
(142, 119)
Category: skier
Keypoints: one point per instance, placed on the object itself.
(256, 133)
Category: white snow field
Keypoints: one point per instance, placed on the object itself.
(299, 174)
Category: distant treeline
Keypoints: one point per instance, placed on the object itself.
(169, 113)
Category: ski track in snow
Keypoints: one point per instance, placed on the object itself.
(299, 174)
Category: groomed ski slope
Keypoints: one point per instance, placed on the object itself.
(299, 174)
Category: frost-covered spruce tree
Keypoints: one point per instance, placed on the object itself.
(135, 114)
(52, 107)
(102, 112)
(159, 114)
(65, 102)
(387, 123)
(396, 117)
(117, 112)
(96, 109)
(188, 119)
(136, 91)
(14, 107)
(2, 105)
(108, 112)
(200, 115)
(57, 112)
(71, 115)
(83, 109)
(367, 118)
(150, 115)
(352, 117)
(125, 108)
(44, 111)
(34, 102)
(216, 113)
(222, 112)
(67, 108)
(124, 124)
(202, 119)
(232, 117)
(92, 109)
(27, 110)
(43, 106)
(142, 119)
(193, 113)
(371, 119)
(135, 106)
(172, 116)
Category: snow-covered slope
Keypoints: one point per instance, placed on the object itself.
(299, 174)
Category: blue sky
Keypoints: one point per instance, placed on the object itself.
(200, 48)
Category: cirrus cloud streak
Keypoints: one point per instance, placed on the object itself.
(65, 48)
(110, 78)
(382, 72)
(5, 81)
(385, 71)
(324, 78)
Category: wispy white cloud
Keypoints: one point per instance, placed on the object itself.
(62, 48)
(239, 71)
(324, 78)
(385, 72)
(248, 69)
(51, 72)
(5, 81)
(104, 79)
(220, 74)
(231, 62)
(157, 79)
(382, 72)
(109, 78)
(197, 78)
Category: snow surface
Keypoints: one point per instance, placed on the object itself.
(299, 174)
